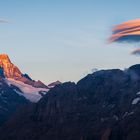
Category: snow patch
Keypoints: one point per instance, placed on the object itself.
(29, 92)
(138, 93)
(116, 117)
(135, 101)
(126, 114)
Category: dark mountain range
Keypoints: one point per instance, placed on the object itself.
(104, 105)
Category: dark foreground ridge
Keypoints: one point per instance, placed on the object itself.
(104, 105)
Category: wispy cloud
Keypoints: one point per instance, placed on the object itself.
(4, 21)
(136, 52)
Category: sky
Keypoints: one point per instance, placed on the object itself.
(65, 39)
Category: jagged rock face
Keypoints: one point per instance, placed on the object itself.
(104, 105)
(10, 70)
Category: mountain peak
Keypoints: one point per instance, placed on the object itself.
(10, 70)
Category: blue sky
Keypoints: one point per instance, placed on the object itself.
(65, 39)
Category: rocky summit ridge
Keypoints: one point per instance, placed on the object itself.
(13, 72)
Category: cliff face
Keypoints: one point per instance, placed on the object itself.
(104, 105)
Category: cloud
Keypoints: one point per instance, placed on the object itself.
(127, 32)
(4, 21)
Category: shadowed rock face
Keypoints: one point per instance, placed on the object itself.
(9, 101)
(102, 106)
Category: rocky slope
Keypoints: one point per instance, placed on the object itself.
(104, 105)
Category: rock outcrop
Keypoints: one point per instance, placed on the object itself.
(54, 84)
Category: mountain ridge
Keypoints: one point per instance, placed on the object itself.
(104, 105)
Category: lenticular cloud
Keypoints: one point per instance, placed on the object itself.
(128, 32)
